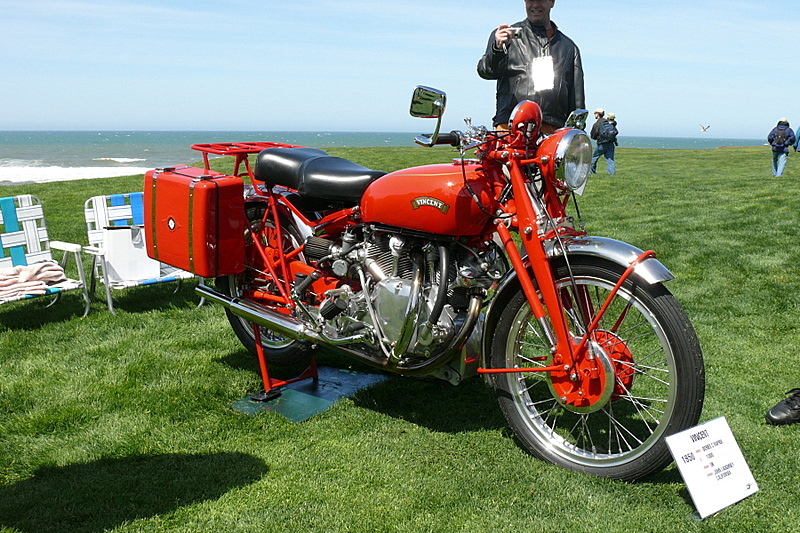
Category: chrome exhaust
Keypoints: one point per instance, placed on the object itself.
(281, 324)
(286, 326)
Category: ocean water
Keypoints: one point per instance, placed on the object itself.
(42, 156)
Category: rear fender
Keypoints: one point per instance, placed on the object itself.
(251, 198)
(651, 271)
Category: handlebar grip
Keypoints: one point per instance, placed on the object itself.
(452, 138)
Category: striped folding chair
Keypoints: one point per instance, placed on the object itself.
(115, 225)
(27, 267)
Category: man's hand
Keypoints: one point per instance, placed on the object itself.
(502, 36)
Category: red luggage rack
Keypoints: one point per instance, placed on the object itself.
(240, 151)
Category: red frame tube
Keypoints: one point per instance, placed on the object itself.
(540, 265)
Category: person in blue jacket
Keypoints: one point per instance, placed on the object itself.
(781, 138)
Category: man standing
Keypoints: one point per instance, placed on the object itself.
(533, 60)
(604, 132)
(780, 138)
(599, 118)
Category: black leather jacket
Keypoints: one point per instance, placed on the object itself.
(511, 70)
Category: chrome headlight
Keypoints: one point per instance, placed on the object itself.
(573, 159)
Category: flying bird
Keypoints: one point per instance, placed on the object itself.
(704, 128)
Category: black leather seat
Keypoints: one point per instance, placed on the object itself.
(314, 174)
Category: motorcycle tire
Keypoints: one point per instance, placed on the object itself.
(651, 384)
(278, 350)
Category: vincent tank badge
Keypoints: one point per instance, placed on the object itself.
(431, 202)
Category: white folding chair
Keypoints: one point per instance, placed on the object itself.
(115, 225)
(25, 250)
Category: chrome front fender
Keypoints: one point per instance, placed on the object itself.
(651, 270)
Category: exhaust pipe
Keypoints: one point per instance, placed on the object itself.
(287, 326)
(277, 322)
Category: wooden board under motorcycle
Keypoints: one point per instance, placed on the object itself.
(470, 268)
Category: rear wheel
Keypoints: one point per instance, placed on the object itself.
(277, 349)
(610, 413)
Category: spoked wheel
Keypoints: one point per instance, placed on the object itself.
(641, 381)
(277, 349)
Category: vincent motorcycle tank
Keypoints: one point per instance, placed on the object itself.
(431, 198)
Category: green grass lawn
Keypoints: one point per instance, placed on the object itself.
(123, 423)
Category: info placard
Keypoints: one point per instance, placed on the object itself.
(712, 466)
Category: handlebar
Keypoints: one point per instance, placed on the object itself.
(453, 138)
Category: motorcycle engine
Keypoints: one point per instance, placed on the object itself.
(400, 280)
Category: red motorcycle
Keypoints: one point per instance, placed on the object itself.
(447, 271)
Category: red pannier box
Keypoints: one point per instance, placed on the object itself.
(194, 220)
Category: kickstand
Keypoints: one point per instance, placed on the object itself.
(271, 385)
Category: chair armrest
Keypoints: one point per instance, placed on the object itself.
(94, 250)
(65, 246)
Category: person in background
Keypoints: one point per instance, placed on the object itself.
(604, 132)
(780, 138)
(613, 135)
(533, 60)
(786, 411)
(599, 118)
(611, 118)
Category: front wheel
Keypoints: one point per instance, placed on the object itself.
(608, 415)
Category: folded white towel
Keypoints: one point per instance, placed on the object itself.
(29, 279)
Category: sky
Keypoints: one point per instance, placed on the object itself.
(664, 68)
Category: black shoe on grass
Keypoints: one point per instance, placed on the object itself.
(786, 411)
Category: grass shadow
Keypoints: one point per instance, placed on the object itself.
(669, 476)
(242, 359)
(33, 314)
(104, 494)
(436, 405)
(25, 315)
(160, 297)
